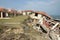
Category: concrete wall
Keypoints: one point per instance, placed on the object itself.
(35, 17)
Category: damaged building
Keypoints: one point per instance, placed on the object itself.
(48, 25)
(42, 22)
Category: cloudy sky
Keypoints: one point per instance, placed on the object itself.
(52, 7)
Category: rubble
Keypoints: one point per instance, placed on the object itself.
(39, 21)
(47, 24)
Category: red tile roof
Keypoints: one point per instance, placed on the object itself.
(28, 11)
(3, 9)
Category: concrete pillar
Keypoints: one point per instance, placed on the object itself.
(1, 14)
(6, 14)
(24, 13)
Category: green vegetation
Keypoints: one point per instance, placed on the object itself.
(15, 21)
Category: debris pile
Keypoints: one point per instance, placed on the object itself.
(46, 24)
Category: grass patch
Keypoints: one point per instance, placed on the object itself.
(13, 21)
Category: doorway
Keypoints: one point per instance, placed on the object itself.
(4, 14)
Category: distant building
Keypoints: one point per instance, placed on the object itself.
(27, 12)
(7, 13)
(3, 12)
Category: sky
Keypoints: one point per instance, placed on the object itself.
(52, 7)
